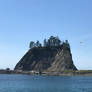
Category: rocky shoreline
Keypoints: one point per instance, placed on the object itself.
(63, 73)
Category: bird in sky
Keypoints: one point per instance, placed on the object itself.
(81, 42)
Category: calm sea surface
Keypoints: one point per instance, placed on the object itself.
(28, 83)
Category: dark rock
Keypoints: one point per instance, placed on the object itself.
(46, 59)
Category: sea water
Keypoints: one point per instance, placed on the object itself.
(29, 83)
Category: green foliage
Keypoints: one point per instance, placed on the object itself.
(51, 42)
(38, 44)
(45, 43)
(65, 45)
(7, 69)
(33, 44)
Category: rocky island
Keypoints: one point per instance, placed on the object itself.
(54, 56)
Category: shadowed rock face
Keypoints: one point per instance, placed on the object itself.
(47, 59)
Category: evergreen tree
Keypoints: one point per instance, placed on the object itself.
(37, 44)
(57, 41)
(51, 42)
(40, 45)
(54, 41)
(45, 43)
(67, 43)
(32, 44)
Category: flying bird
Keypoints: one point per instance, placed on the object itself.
(81, 42)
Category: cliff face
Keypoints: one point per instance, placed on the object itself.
(63, 61)
(47, 59)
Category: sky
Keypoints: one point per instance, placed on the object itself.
(22, 21)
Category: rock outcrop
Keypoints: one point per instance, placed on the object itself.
(47, 59)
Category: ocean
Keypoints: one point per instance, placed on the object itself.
(29, 83)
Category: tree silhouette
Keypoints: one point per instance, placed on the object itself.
(51, 42)
(32, 44)
(45, 43)
(37, 44)
(54, 41)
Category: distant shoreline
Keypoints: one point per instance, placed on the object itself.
(63, 73)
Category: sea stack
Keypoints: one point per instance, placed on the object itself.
(55, 58)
